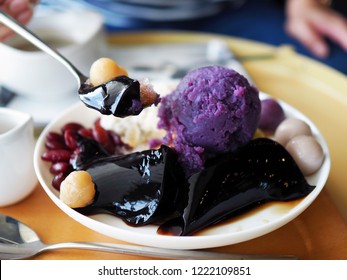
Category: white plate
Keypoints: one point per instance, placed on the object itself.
(255, 223)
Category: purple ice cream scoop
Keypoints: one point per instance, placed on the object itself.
(213, 110)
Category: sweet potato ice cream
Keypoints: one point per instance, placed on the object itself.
(213, 110)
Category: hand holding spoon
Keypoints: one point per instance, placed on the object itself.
(18, 241)
(120, 96)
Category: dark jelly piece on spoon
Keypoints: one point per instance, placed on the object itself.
(119, 97)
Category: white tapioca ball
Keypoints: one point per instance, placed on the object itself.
(290, 128)
(307, 153)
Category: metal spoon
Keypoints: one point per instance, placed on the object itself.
(119, 96)
(18, 241)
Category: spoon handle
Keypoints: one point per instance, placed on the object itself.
(22, 251)
(163, 253)
(35, 40)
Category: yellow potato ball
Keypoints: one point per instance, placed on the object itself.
(103, 70)
(78, 189)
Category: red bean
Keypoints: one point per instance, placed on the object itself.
(86, 132)
(99, 133)
(103, 136)
(60, 167)
(54, 136)
(55, 141)
(56, 155)
(55, 145)
(56, 182)
(72, 126)
(70, 138)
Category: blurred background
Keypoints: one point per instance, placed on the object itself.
(260, 20)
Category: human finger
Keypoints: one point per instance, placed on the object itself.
(312, 40)
(333, 26)
(16, 7)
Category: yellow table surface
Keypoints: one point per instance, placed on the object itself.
(320, 232)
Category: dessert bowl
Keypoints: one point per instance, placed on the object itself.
(252, 224)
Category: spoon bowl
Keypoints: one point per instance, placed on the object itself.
(19, 241)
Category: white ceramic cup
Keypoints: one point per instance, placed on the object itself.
(78, 35)
(17, 174)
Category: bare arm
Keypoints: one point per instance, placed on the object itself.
(311, 22)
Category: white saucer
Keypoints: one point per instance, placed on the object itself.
(42, 111)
